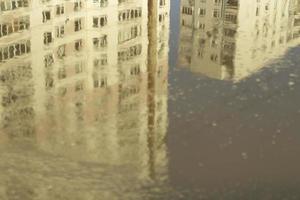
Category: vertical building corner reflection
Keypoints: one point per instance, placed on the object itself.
(87, 79)
(231, 39)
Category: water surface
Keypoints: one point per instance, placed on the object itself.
(149, 100)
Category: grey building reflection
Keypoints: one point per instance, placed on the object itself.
(87, 80)
(231, 39)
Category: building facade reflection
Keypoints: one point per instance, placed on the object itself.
(87, 80)
(17, 90)
(231, 39)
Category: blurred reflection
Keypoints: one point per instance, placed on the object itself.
(87, 80)
(231, 39)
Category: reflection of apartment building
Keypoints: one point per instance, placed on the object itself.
(232, 39)
(88, 75)
(294, 22)
(186, 32)
(158, 31)
(16, 84)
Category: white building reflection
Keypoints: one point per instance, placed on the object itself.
(87, 80)
(231, 39)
